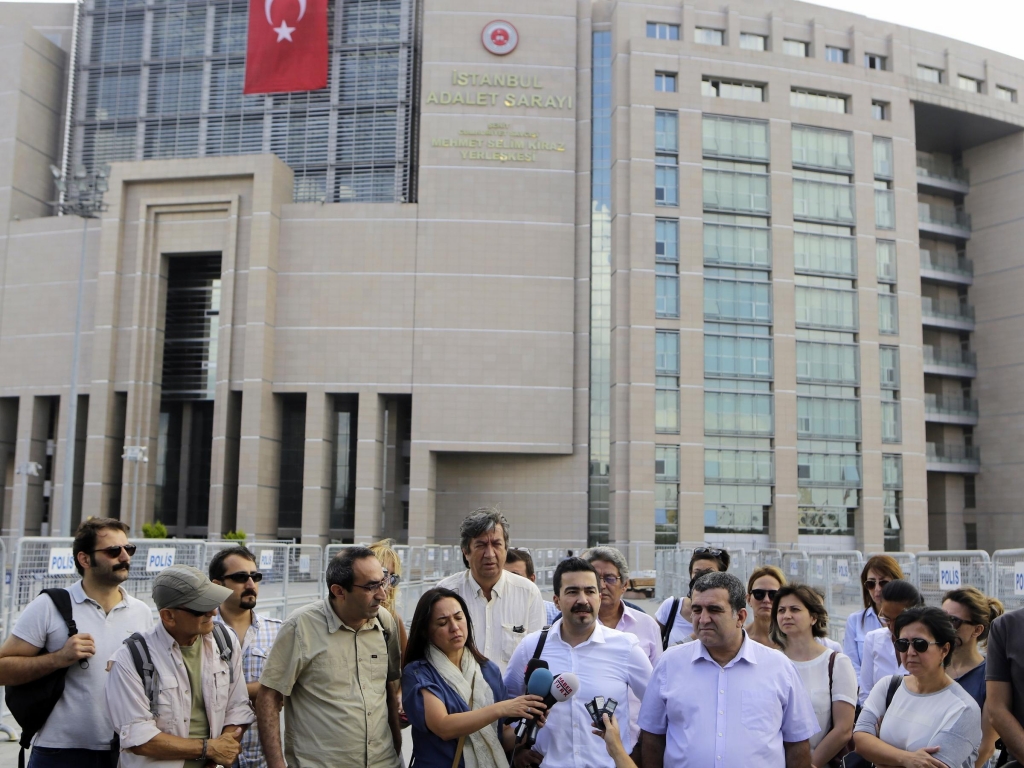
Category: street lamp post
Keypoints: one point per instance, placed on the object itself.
(137, 455)
(81, 195)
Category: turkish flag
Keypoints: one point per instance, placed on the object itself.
(287, 49)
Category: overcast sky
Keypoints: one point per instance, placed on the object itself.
(995, 24)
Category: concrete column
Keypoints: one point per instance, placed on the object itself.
(869, 525)
(732, 28)
(857, 47)
(817, 41)
(392, 461)
(689, 22)
(8, 443)
(370, 467)
(31, 446)
(422, 493)
(317, 481)
(777, 25)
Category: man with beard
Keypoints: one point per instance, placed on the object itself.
(192, 711)
(608, 662)
(78, 730)
(235, 568)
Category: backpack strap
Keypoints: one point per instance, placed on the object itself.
(831, 667)
(62, 600)
(894, 685)
(666, 631)
(540, 643)
(224, 647)
(139, 650)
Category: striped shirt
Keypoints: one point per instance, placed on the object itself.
(255, 648)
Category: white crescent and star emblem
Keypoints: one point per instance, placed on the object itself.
(284, 32)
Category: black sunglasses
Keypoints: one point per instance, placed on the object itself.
(759, 594)
(957, 622)
(116, 551)
(243, 576)
(919, 643)
(707, 551)
(871, 583)
(189, 610)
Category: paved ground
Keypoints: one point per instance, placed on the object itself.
(9, 750)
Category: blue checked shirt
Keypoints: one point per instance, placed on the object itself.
(255, 648)
(553, 614)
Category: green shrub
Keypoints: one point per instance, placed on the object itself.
(154, 530)
(235, 535)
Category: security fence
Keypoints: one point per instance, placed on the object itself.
(1008, 577)
(939, 572)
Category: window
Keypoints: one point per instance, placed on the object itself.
(795, 48)
(666, 131)
(737, 240)
(827, 363)
(883, 163)
(828, 464)
(888, 310)
(824, 249)
(665, 82)
(970, 492)
(1006, 94)
(666, 394)
(837, 55)
(666, 240)
(729, 465)
(889, 367)
(885, 206)
(874, 61)
(736, 299)
(735, 137)
(820, 307)
(885, 255)
(929, 74)
(751, 42)
(830, 418)
(738, 413)
(742, 187)
(737, 508)
(666, 504)
(892, 430)
(666, 355)
(826, 102)
(660, 31)
(879, 110)
(822, 148)
(666, 159)
(965, 83)
(892, 471)
(737, 356)
(707, 36)
(724, 89)
(666, 268)
(823, 197)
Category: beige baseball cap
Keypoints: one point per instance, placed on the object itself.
(182, 586)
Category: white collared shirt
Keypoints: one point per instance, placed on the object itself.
(736, 715)
(610, 664)
(226, 703)
(80, 719)
(879, 660)
(646, 630)
(515, 604)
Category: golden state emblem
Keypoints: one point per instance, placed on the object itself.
(500, 38)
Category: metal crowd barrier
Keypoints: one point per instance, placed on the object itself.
(938, 572)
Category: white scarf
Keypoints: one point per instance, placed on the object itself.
(482, 749)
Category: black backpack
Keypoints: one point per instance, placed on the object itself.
(32, 703)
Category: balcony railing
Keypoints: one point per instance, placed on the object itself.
(947, 262)
(950, 405)
(947, 309)
(943, 171)
(949, 453)
(950, 358)
(944, 216)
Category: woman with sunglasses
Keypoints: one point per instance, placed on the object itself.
(880, 660)
(762, 586)
(877, 572)
(931, 721)
(674, 616)
(453, 695)
(799, 621)
(971, 613)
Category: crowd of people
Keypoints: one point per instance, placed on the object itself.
(490, 674)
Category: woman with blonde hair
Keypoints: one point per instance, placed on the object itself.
(877, 572)
(762, 586)
(972, 613)
(392, 563)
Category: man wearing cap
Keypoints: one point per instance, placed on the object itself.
(200, 707)
(330, 668)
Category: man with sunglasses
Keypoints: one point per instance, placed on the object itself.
(330, 669)
(235, 568)
(79, 728)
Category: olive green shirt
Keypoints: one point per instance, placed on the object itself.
(335, 683)
(198, 724)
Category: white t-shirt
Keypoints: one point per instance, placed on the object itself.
(948, 719)
(814, 675)
(681, 630)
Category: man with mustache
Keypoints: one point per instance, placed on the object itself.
(608, 663)
(235, 568)
(78, 730)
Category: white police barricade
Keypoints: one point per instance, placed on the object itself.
(836, 573)
(1008, 577)
(741, 563)
(907, 562)
(304, 567)
(795, 566)
(940, 571)
(769, 557)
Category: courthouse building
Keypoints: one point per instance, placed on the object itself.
(747, 272)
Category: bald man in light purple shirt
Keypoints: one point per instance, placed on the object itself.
(725, 700)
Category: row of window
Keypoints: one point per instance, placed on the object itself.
(801, 48)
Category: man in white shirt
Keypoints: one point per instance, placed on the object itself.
(79, 729)
(608, 663)
(520, 562)
(504, 607)
(725, 700)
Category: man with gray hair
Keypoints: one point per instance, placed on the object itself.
(504, 607)
(725, 700)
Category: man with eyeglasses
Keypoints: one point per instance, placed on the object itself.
(235, 568)
(79, 728)
(330, 668)
(194, 709)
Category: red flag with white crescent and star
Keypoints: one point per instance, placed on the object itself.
(287, 48)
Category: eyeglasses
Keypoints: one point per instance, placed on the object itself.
(707, 551)
(243, 576)
(197, 614)
(389, 580)
(759, 594)
(919, 643)
(116, 551)
(872, 583)
(885, 621)
(957, 622)
(610, 580)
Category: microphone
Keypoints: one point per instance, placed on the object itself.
(534, 664)
(540, 682)
(563, 687)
